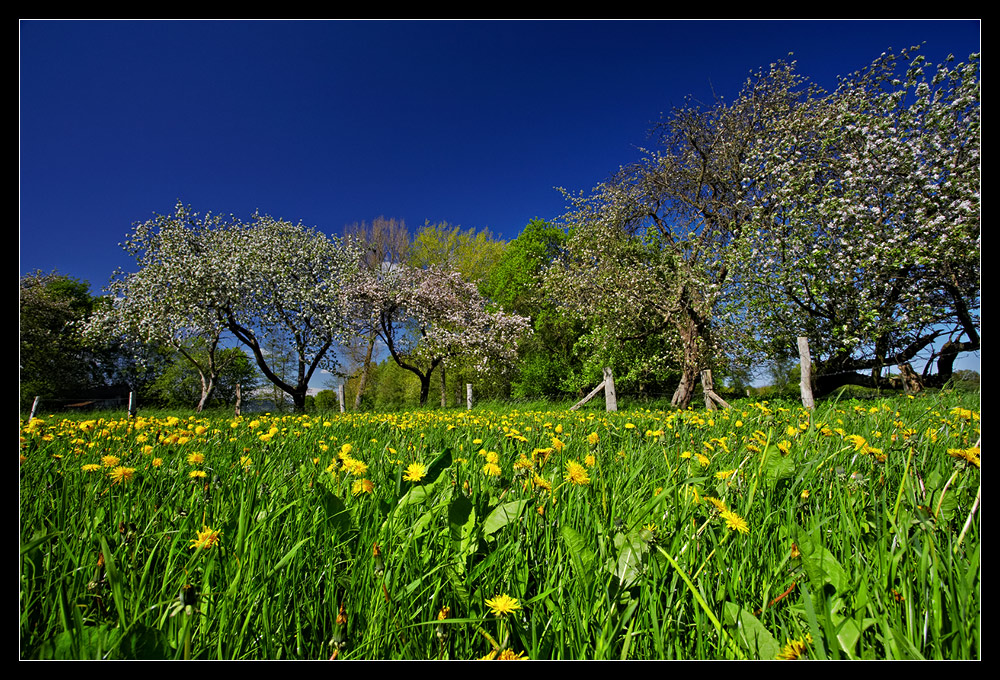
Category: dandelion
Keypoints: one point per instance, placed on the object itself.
(197, 474)
(590, 460)
(121, 474)
(735, 522)
(207, 538)
(725, 474)
(415, 472)
(718, 504)
(91, 467)
(362, 486)
(246, 462)
(542, 483)
(491, 470)
(592, 438)
(970, 455)
(110, 461)
(195, 458)
(502, 605)
(576, 473)
(795, 649)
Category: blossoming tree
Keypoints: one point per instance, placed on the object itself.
(866, 222)
(426, 316)
(264, 281)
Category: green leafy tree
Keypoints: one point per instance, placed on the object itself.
(55, 359)
(547, 359)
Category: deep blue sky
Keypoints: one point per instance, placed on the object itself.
(333, 122)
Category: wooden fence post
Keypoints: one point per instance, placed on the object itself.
(238, 401)
(805, 384)
(468, 396)
(34, 408)
(340, 396)
(131, 405)
(708, 387)
(610, 396)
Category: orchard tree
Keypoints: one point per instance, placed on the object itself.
(866, 221)
(267, 281)
(174, 297)
(427, 316)
(286, 284)
(473, 254)
(648, 249)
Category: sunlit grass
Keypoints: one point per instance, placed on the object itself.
(764, 530)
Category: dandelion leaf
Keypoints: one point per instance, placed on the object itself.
(754, 636)
(502, 516)
(820, 564)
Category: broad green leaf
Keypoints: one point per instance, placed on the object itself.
(751, 632)
(502, 516)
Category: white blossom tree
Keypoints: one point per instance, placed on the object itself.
(264, 281)
(172, 298)
(426, 316)
(866, 222)
(286, 283)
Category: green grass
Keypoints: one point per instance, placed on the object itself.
(857, 548)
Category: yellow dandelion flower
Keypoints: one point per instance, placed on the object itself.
(195, 458)
(590, 461)
(795, 649)
(703, 459)
(492, 470)
(91, 467)
(197, 474)
(157, 462)
(415, 472)
(502, 605)
(724, 474)
(362, 486)
(207, 538)
(510, 655)
(110, 461)
(444, 613)
(719, 504)
(542, 483)
(735, 522)
(557, 445)
(121, 474)
(576, 473)
(592, 438)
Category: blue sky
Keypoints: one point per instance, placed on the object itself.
(333, 122)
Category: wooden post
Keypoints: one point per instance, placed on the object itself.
(131, 405)
(468, 396)
(610, 396)
(708, 387)
(805, 385)
(34, 408)
(238, 400)
(587, 398)
(340, 396)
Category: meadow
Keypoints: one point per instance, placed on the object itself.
(760, 532)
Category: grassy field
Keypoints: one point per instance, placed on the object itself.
(760, 532)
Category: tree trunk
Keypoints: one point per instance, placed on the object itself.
(363, 380)
(425, 387)
(444, 394)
